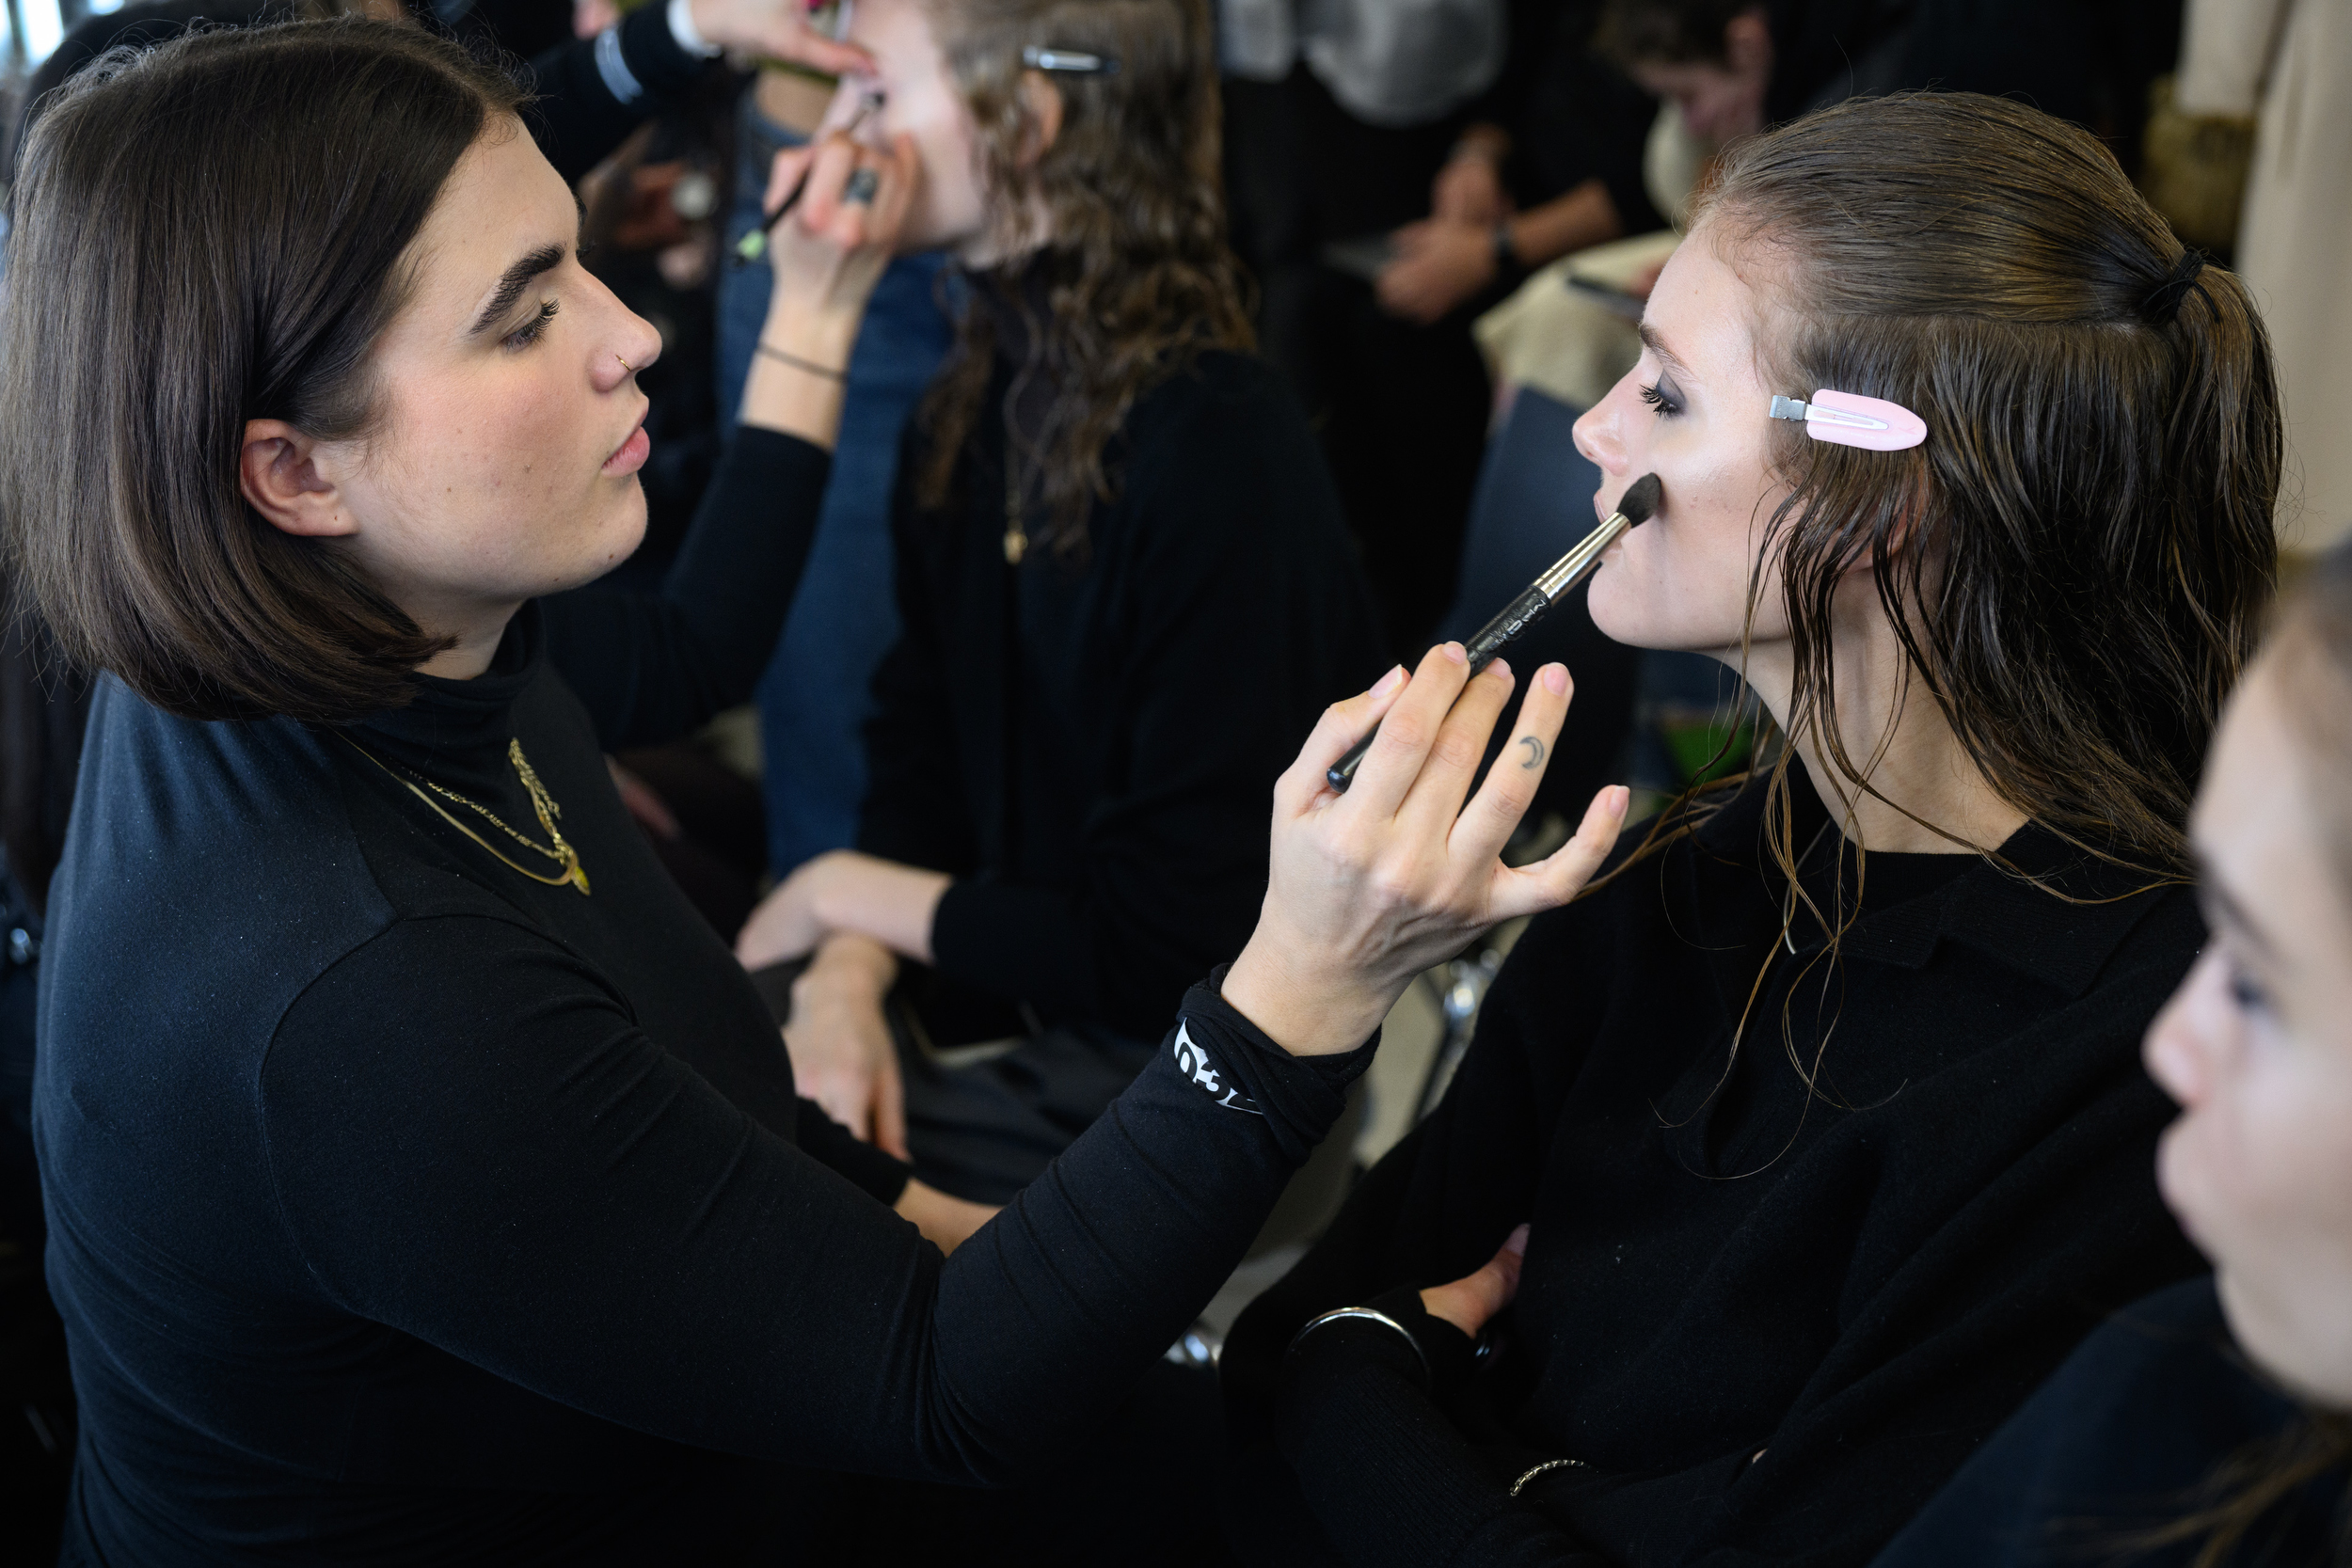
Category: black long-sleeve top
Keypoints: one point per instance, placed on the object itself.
(576, 116)
(1089, 744)
(1765, 1329)
(2133, 1432)
(403, 1209)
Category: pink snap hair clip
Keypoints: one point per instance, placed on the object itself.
(1854, 421)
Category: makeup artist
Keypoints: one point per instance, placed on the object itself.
(420, 1171)
(1125, 588)
(1824, 1114)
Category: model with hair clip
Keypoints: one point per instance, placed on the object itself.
(1814, 1134)
(1125, 588)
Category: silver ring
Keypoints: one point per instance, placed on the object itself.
(862, 186)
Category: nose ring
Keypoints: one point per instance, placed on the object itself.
(627, 366)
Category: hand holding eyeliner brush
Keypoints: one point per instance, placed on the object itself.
(1633, 508)
(754, 245)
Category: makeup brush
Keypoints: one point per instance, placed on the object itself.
(1633, 508)
(754, 245)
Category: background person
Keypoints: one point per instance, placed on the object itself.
(2208, 1422)
(1104, 502)
(1827, 1115)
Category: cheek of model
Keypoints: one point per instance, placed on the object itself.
(1680, 580)
(508, 492)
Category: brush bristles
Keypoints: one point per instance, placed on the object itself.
(1640, 499)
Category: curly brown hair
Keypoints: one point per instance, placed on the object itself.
(1137, 272)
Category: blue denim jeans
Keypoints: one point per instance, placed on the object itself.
(815, 697)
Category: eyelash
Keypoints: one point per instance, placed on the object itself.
(2244, 994)
(527, 334)
(1658, 397)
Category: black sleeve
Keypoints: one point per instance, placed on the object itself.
(577, 118)
(650, 667)
(471, 1162)
(1357, 1387)
(1582, 120)
(1250, 616)
(880, 1177)
(913, 811)
(1533, 24)
(1440, 1202)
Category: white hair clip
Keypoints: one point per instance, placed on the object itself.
(1072, 62)
(1854, 421)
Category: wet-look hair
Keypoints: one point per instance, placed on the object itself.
(1136, 272)
(2077, 559)
(214, 231)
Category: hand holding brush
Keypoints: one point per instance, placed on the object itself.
(1633, 508)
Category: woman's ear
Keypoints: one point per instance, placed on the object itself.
(1043, 102)
(278, 470)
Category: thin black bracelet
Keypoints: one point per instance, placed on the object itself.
(811, 366)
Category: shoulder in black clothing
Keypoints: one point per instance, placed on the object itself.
(2127, 1437)
(1761, 1319)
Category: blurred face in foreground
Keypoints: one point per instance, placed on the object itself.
(2257, 1043)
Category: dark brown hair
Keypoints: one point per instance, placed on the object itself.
(1668, 32)
(1138, 274)
(214, 231)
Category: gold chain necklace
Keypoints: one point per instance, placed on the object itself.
(1016, 530)
(543, 803)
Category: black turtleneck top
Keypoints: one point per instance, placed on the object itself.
(1087, 740)
(405, 1209)
(1764, 1324)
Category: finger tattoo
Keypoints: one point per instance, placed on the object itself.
(1535, 751)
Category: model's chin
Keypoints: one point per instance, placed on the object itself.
(615, 538)
(1616, 599)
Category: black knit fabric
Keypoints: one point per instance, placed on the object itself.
(574, 115)
(1856, 1287)
(1088, 743)
(405, 1209)
(2131, 1435)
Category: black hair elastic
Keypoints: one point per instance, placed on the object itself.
(2160, 308)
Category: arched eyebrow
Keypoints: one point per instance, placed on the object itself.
(515, 279)
(1656, 346)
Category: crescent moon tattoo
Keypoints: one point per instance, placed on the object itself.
(1535, 751)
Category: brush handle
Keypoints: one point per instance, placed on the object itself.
(1519, 614)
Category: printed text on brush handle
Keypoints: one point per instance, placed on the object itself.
(1521, 613)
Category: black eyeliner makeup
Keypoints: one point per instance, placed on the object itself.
(1635, 507)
